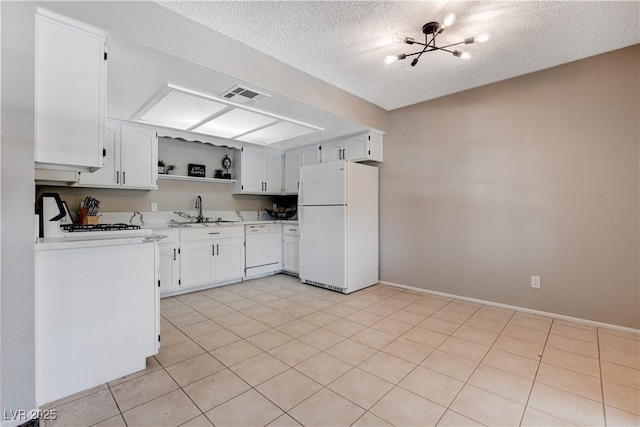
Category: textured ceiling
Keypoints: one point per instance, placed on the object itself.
(344, 42)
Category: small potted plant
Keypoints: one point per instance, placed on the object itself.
(171, 170)
(160, 166)
(218, 174)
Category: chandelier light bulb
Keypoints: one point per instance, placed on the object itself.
(463, 55)
(449, 20)
(484, 37)
(397, 38)
(390, 59)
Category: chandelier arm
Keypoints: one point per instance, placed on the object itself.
(421, 52)
(431, 42)
(453, 44)
(442, 48)
(420, 43)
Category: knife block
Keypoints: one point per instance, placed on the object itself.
(90, 219)
(85, 219)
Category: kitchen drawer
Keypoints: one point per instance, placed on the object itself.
(212, 232)
(172, 235)
(290, 229)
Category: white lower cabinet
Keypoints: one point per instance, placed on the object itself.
(196, 263)
(96, 315)
(200, 256)
(228, 263)
(169, 268)
(291, 248)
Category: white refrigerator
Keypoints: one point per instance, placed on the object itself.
(338, 216)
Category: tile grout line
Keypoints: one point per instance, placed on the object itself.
(533, 381)
(474, 371)
(116, 402)
(565, 391)
(604, 406)
(378, 300)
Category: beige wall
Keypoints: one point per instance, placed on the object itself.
(170, 196)
(536, 175)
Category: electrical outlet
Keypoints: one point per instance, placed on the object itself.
(154, 207)
(535, 282)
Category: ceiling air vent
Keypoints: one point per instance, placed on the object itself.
(243, 95)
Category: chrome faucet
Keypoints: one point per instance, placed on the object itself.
(198, 206)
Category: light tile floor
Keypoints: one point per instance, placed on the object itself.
(275, 352)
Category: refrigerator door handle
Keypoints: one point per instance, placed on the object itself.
(300, 222)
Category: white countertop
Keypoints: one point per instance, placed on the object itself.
(161, 226)
(86, 240)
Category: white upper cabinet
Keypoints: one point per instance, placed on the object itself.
(367, 146)
(357, 148)
(70, 89)
(272, 170)
(331, 151)
(291, 171)
(309, 155)
(131, 159)
(293, 161)
(251, 175)
(260, 171)
(138, 157)
(107, 175)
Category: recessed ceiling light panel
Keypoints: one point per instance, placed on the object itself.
(277, 132)
(181, 110)
(233, 123)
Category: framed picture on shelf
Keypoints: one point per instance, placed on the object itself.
(197, 170)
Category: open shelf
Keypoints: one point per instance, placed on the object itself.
(195, 178)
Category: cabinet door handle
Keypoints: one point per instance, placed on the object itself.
(214, 232)
(344, 154)
(265, 186)
(174, 254)
(217, 249)
(124, 177)
(213, 250)
(117, 177)
(339, 154)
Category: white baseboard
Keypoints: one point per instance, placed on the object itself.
(514, 307)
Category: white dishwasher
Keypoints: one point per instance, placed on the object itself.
(263, 251)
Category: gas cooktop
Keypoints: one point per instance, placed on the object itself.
(72, 228)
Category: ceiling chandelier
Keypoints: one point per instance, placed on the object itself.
(434, 29)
